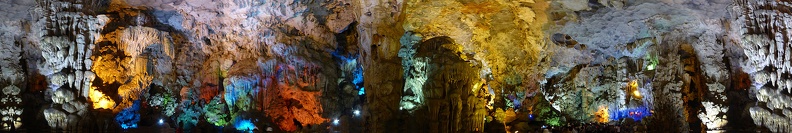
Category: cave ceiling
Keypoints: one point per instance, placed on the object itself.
(395, 65)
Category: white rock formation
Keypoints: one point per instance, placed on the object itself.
(65, 40)
(15, 13)
(607, 31)
(10, 52)
(574, 5)
(414, 84)
(11, 90)
(770, 120)
(62, 96)
(714, 116)
(55, 118)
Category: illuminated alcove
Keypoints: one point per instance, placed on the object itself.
(395, 66)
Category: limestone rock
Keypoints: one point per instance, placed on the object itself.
(55, 118)
(11, 90)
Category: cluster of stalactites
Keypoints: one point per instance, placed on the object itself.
(150, 52)
(12, 76)
(67, 40)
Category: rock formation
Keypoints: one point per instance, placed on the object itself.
(394, 65)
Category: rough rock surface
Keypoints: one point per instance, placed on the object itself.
(395, 65)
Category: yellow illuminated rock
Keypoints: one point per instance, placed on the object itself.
(498, 34)
(397, 64)
(602, 115)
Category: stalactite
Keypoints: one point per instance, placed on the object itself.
(280, 60)
(65, 47)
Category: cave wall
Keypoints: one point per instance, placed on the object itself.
(399, 65)
(765, 39)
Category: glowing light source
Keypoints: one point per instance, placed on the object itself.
(356, 112)
(160, 121)
(129, 117)
(632, 87)
(351, 65)
(362, 91)
(245, 125)
(335, 122)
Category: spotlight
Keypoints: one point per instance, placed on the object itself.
(335, 122)
(356, 112)
(160, 121)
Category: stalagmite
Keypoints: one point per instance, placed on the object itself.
(395, 65)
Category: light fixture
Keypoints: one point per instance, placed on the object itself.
(650, 67)
(636, 93)
(356, 112)
(335, 122)
(160, 121)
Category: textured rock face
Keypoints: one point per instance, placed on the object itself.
(63, 37)
(395, 65)
(651, 28)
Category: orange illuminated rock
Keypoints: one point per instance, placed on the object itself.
(287, 103)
